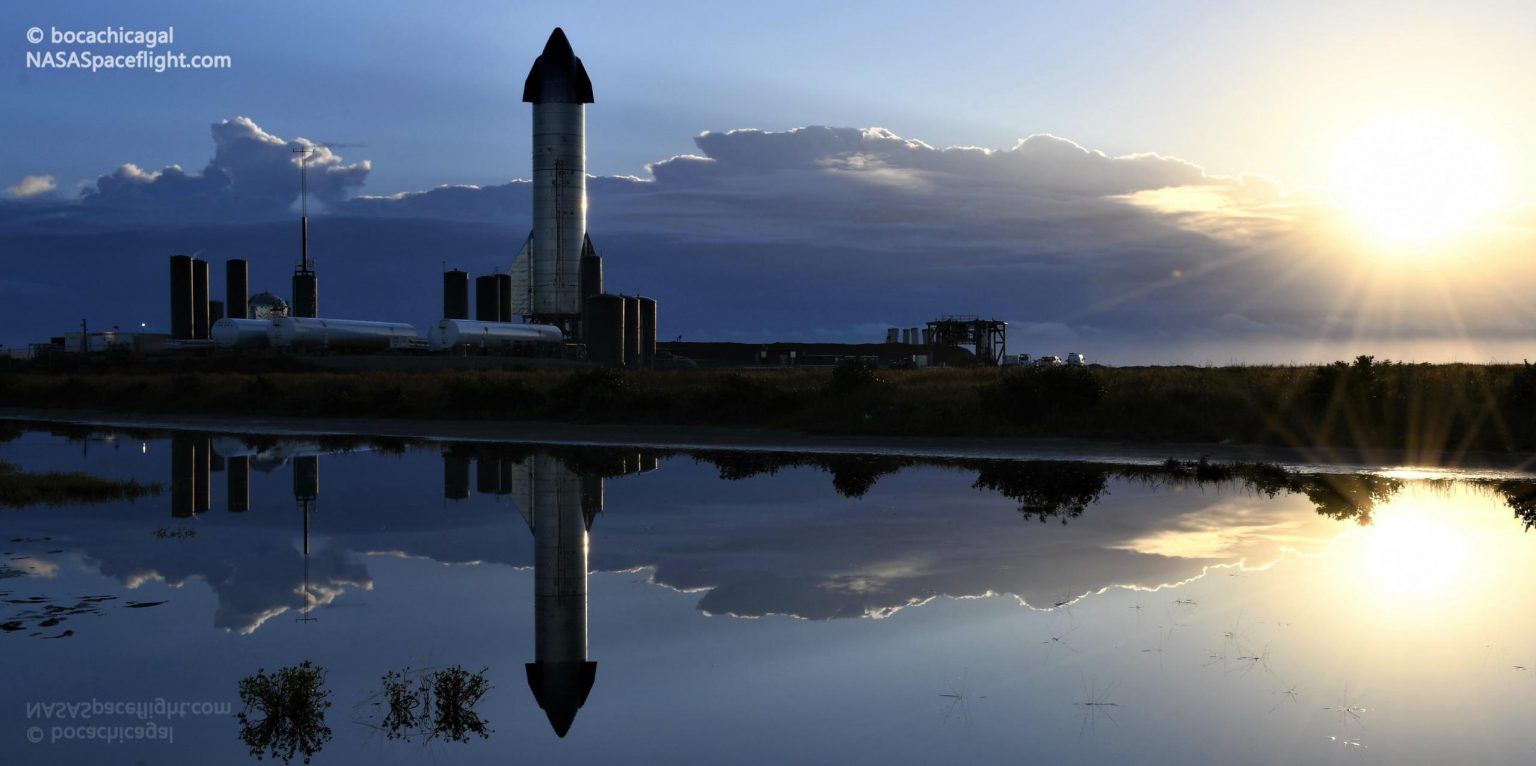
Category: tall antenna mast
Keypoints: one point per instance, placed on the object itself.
(303, 152)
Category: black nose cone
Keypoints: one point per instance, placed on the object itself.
(557, 75)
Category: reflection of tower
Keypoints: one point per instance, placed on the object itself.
(306, 489)
(551, 497)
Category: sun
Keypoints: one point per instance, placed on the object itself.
(1413, 177)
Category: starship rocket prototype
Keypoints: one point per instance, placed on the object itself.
(547, 274)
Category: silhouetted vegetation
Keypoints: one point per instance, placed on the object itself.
(20, 489)
(1063, 490)
(1349, 496)
(284, 713)
(1031, 395)
(434, 704)
(1046, 490)
(1360, 404)
(1521, 497)
(852, 475)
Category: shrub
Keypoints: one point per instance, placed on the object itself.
(853, 376)
(1032, 394)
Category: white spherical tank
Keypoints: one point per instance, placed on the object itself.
(349, 334)
(450, 333)
(241, 333)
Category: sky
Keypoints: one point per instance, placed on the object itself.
(1190, 182)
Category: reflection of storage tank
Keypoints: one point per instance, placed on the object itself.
(306, 477)
(267, 306)
(450, 333)
(202, 464)
(183, 472)
(242, 333)
(350, 334)
(487, 475)
(455, 475)
(239, 484)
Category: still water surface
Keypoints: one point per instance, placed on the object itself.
(748, 608)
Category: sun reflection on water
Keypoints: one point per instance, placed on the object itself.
(1410, 551)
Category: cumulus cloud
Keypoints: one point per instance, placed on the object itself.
(822, 232)
(253, 174)
(32, 186)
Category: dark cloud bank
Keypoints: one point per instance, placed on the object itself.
(814, 233)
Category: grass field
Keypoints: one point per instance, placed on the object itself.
(1365, 403)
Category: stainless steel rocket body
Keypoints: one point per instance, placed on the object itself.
(559, 206)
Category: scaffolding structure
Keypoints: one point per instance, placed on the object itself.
(989, 337)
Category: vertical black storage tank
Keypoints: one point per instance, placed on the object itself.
(237, 288)
(199, 299)
(455, 294)
(239, 484)
(181, 297)
(487, 299)
(591, 286)
(631, 332)
(306, 294)
(215, 312)
(647, 332)
(605, 336)
(504, 297)
(591, 276)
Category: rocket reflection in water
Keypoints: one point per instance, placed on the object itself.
(550, 496)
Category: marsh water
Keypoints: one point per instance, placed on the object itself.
(453, 603)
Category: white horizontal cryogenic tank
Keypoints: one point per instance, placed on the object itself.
(450, 333)
(241, 333)
(349, 334)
